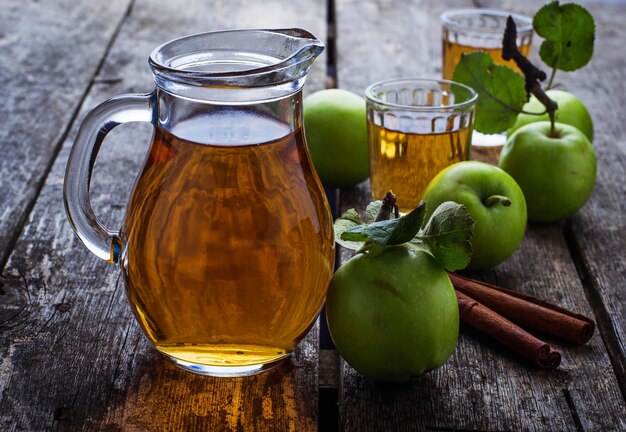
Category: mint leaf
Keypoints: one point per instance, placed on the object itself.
(447, 235)
(388, 232)
(346, 221)
(501, 91)
(569, 32)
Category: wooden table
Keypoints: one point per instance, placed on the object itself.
(72, 356)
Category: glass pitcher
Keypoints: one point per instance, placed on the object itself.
(227, 245)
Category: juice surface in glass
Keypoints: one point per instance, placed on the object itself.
(228, 263)
(452, 55)
(406, 162)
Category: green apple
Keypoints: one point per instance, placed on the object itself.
(492, 198)
(571, 111)
(556, 173)
(335, 126)
(393, 315)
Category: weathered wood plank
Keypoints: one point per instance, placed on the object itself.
(43, 79)
(71, 355)
(482, 387)
(598, 229)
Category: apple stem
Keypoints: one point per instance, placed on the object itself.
(494, 199)
(552, 121)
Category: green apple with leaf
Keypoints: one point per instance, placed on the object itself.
(394, 315)
(547, 157)
(391, 309)
(494, 201)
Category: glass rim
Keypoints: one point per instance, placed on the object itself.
(371, 97)
(524, 23)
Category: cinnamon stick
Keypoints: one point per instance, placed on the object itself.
(528, 311)
(504, 331)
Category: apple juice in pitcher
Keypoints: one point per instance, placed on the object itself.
(227, 245)
(220, 255)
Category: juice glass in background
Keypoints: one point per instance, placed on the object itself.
(416, 128)
(471, 30)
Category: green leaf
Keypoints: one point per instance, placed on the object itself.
(346, 221)
(448, 235)
(408, 225)
(388, 232)
(569, 32)
(378, 232)
(501, 91)
(371, 212)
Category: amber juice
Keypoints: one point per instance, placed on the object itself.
(230, 248)
(452, 55)
(406, 162)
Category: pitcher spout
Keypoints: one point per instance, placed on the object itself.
(305, 47)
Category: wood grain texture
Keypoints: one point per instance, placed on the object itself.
(43, 78)
(71, 355)
(599, 228)
(482, 386)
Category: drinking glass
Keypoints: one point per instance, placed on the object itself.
(471, 30)
(416, 128)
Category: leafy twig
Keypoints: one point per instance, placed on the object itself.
(532, 74)
(569, 33)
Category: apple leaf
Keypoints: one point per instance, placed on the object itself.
(569, 33)
(372, 210)
(346, 221)
(447, 235)
(388, 232)
(408, 225)
(501, 91)
(377, 232)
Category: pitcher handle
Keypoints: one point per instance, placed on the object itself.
(104, 243)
